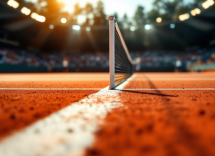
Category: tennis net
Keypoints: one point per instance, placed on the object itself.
(121, 63)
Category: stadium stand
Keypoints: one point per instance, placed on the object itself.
(150, 60)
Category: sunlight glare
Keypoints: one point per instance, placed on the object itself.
(69, 4)
(76, 27)
(81, 19)
(63, 20)
(147, 26)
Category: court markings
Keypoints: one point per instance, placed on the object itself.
(51, 89)
(149, 89)
(67, 132)
(119, 88)
(175, 79)
(124, 84)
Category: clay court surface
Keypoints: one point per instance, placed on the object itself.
(156, 114)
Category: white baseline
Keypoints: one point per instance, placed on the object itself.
(67, 132)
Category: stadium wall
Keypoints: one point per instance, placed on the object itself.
(4, 68)
(21, 68)
(203, 67)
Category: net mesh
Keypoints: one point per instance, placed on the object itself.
(123, 67)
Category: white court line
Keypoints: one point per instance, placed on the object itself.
(174, 79)
(50, 88)
(67, 132)
(119, 88)
(142, 89)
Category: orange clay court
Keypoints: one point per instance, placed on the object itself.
(159, 114)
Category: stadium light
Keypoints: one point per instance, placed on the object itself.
(34, 15)
(81, 19)
(25, 11)
(172, 26)
(184, 17)
(13, 4)
(210, 2)
(147, 27)
(207, 4)
(159, 20)
(88, 28)
(195, 11)
(76, 27)
(51, 26)
(41, 19)
(63, 20)
(38, 17)
(198, 11)
(132, 28)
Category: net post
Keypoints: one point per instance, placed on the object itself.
(112, 52)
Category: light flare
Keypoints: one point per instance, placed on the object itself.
(132, 28)
(51, 26)
(76, 27)
(207, 4)
(159, 20)
(184, 17)
(88, 29)
(147, 26)
(195, 11)
(38, 17)
(13, 4)
(69, 4)
(63, 20)
(26, 11)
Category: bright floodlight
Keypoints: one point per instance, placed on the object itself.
(159, 20)
(81, 19)
(132, 28)
(198, 11)
(63, 20)
(13, 4)
(195, 11)
(41, 18)
(184, 17)
(210, 2)
(51, 26)
(38, 17)
(207, 4)
(25, 11)
(88, 28)
(34, 15)
(76, 27)
(172, 26)
(147, 27)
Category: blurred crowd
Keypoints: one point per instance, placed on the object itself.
(164, 58)
(53, 60)
(101, 60)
